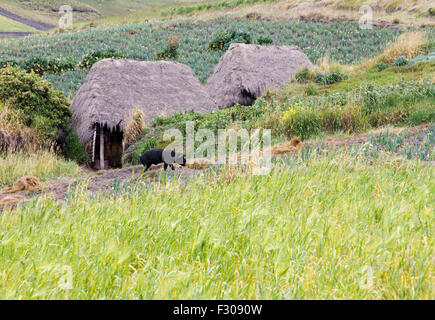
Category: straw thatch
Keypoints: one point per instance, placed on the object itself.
(27, 183)
(114, 87)
(246, 71)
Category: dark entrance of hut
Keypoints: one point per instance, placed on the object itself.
(107, 148)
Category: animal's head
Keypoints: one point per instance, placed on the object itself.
(181, 159)
(177, 158)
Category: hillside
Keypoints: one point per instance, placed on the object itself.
(344, 209)
(121, 12)
(84, 10)
(342, 42)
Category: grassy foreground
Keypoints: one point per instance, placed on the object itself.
(334, 227)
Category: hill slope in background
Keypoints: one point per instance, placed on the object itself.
(84, 10)
(419, 12)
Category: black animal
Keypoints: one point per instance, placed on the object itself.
(157, 156)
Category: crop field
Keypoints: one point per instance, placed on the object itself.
(346, 210)
(321, 227)
(343, 42)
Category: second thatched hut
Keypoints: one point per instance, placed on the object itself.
(246, 71)
(115, 88)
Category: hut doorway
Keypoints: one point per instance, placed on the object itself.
(107, 145)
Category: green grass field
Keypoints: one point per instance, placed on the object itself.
(8, 25)
(328, 228)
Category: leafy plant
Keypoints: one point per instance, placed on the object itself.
(381, 66)
(400, 61)
(90, 59)
(169, 52)
(304, 75)
(264, 40)
(330, 78)
(74, 150)
(41, 107)
(223, 39)
(311, 90)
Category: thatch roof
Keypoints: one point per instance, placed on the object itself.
(114, 87)
(246, 71)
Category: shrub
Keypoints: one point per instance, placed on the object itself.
(311, 90)
(40, 106)
(41, 65)
(170, 51)
(301, 121)
(74, 150)
(14, 136)
(431, 11)
(381, 66)
(430, 57)
(330, 78)
(422, 115)
(8, 63)
(409, 44)
(223, 39)
(304, 75)
(136, 150)
(400, 61)
(264, 40)
(90, 59)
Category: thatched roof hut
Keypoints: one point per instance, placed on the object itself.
(113, 88)
(246, 71)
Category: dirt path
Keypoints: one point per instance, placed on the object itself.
(103, 181)
(31, 23)
(97, 181)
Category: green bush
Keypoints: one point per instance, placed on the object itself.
(9, 63)
(330, 78)
(264, 40)
(422, 115)
(74, 150)
(140, 147)
(303, 124)
(223, 39)
(381, 66)
(42, 108)
(304, 75)
(400, 61)
(170, 51)
(311, 90)
(90, 59)
(41, 65)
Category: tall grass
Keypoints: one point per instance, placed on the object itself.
(409, 44)
(328, 228)
(42, 164)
